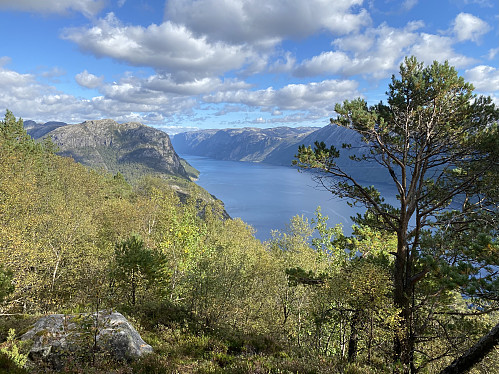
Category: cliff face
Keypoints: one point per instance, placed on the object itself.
(247, 144)
(129, 148)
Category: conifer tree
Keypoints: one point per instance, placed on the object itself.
(436, 139)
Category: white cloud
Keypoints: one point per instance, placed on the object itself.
(87, 7)
(377, 52)
(409, 4)
(492, 53)
(484, 78)
(469, 27)
(313, 97)
(127, 103)
(161, 89)
(173, 130)
(267, 22)
(430, 47)
(156, 99)
(85, 79)
(168, 47)
(326, 63)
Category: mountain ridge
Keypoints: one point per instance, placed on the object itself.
(279, 148)
(247, 144)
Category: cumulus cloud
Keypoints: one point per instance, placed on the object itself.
(127, 103)
(377, 52)
(168, 47)
(18, 89)
(85, 79)
(314, 97)
(267, 22)
(469, 27)
(161, 88)
(430, 47)
(87, 7)
(484, 78)
(156, 99)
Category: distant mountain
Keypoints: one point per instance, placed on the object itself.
(277, 146)
(131, 148)
(247, 144)
(39, 130)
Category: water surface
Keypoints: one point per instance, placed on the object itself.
(267, 196)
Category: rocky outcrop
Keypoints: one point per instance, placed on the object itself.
(58, 337)
(127, 147)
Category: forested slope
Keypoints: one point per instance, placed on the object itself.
(201, 289)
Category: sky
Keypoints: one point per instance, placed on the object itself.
(182, 65)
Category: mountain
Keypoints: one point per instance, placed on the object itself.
(247, 144)
(39, 130)
(278, 146)
(129, 148)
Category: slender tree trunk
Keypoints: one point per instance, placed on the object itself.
(133, 287)
(354, 338)
(475, 354)
(404, 341)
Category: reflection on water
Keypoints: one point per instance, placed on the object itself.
(267, 196)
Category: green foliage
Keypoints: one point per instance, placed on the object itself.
(438, 143)
(209, 297)
(6, 286)
(12, 349)
(191, 171)
(135, 266)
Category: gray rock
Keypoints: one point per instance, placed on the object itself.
(118, 147)
(56, 337)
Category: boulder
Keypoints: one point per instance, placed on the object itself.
(57, 337)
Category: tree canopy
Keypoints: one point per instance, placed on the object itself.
(438, 142)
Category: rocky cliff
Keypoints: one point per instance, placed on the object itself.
(128, 148)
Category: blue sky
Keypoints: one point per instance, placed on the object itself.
(194, 64)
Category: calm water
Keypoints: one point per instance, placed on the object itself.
(267, 196)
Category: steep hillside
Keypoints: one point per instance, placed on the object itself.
(277, 146)
(330, 134)
(247, 144)
(337, 136)
(129, 148)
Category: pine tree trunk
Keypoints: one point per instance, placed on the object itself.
(403, 342)
(475, 354)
